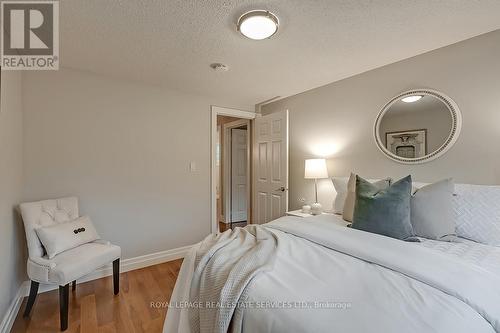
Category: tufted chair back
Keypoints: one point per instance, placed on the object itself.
(44, 213)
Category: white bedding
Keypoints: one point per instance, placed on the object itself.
(485, 256)
(366, 282)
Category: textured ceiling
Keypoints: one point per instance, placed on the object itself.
(173, 42)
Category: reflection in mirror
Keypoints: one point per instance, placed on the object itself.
(415, 127)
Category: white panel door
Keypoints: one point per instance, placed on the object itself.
(238, 175)
(270, 157)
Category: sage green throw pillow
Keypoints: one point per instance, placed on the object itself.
(385, 212)
(350, 200)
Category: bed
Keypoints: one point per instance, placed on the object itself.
(316, 275)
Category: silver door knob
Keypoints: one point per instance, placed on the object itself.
(281, 189)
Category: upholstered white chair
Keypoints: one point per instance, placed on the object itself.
(69, 265)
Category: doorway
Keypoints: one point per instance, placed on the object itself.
(233, 195)
(257, 185)
(231, 168)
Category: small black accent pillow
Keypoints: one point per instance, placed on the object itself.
(385, 212)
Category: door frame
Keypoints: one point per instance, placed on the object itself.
(227, 165)
(219, 111)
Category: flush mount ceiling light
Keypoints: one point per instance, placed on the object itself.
(411, 99)
(258, 24)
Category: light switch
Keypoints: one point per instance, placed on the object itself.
(192, 167)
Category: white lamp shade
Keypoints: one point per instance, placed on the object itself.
(316, 169)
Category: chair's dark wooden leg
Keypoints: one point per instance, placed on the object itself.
(116, 276)
(31, 298)
(64, 306)
(73, 285)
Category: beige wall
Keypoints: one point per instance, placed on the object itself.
(124, 149)
(336, 120)
(12, 240)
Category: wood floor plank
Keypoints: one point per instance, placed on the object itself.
(138, 312)
(123, 321)
(94, 308)
(109, 328)
(105, 305)
(88, 315)
(164, 282)
(154, 293)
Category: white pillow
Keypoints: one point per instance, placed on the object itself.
(415, 186)
(340, 184)
(432, 212)
(477, 213)
(67, 235)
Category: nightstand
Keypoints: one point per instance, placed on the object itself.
(337, 219)
(298, 213)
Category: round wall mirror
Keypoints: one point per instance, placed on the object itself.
(417, 126)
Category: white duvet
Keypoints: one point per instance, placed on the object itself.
(328, 278)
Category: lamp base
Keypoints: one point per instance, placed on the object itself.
(316, 208)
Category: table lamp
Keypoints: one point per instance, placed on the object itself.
(316, 169)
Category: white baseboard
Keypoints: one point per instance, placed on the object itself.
(125, 266)
(11, 314)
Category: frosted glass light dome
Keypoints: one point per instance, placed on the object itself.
(258, 24)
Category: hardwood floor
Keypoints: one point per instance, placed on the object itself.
(226, 226)
(94, 308)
